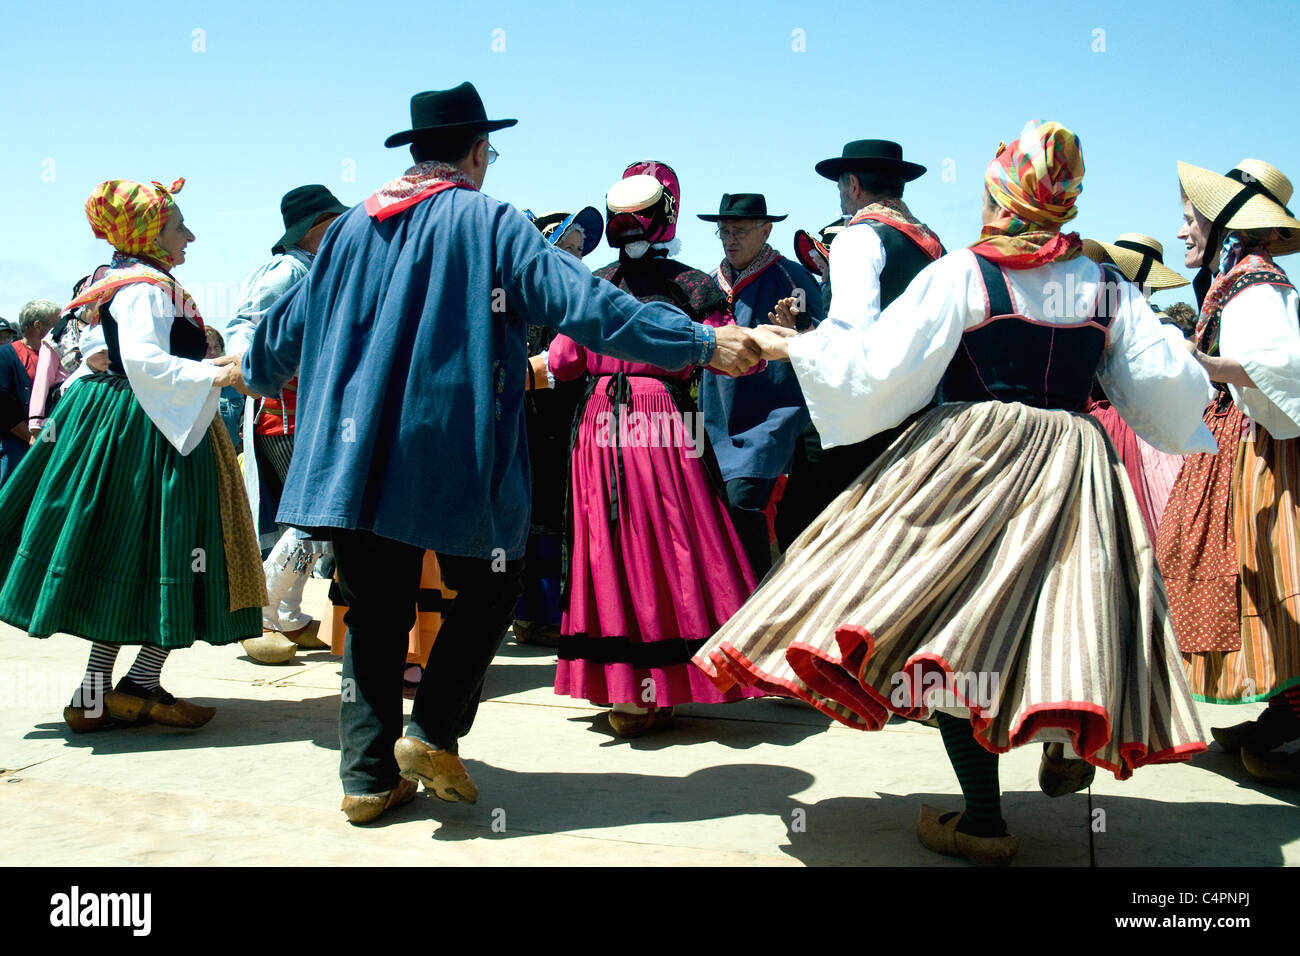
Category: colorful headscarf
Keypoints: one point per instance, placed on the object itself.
(1035, 182)
(131, 216)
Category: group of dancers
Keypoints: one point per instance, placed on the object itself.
(914, 469)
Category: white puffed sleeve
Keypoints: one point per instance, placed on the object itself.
(1153, 381)
(857, 259)
(177, 394)
(859, 381)
(1261, 331)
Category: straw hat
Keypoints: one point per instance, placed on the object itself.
(1139, 257)
(1254, 195)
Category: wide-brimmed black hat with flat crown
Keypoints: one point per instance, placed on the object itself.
(741, 206)
(458, 108)
(871, 156)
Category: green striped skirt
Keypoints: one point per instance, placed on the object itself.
(109, 533)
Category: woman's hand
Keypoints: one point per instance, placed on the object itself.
(537, 373)
(774, 341)
(98, 362)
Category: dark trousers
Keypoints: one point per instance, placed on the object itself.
(818, 475)
(380, 582)
(746, 499)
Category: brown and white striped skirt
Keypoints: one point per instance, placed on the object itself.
(995, 558)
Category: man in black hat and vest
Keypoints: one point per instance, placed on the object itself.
(411, 333)
(754, 422)
(269, 422)
(880, 250)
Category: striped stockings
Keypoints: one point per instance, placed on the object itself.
(977, 772)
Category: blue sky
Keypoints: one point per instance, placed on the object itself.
(249, 100)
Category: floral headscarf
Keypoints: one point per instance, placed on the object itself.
(131, 216)
(1035, 183)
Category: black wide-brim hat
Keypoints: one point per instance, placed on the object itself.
(458, 108)
(300, 208)
(741, 206)
(871, 156)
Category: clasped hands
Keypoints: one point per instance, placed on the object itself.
(231, 374)
(738, 350)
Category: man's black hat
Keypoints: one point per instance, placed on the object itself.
(871, 156)
(456, 109)
(300, 208)
(742, 206)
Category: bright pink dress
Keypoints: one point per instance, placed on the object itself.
(655, 565)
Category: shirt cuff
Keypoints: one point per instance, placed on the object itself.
(705, 343)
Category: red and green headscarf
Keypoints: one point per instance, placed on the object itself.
(1035, 182)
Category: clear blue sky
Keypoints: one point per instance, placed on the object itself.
(267, 97)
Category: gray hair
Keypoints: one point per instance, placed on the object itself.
(38, 310)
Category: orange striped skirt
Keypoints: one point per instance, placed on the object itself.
(1265, 517)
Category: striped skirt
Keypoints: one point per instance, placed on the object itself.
(107, 532)
(994, 562)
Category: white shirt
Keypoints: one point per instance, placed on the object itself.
(858, 382)
(178, 395)
(1260, 329)
(857, 259)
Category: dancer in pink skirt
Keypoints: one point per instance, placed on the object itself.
(655, 566)
(1150, 470)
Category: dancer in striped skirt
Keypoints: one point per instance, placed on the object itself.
(1229, 543)
(127, 522)
(993, 565)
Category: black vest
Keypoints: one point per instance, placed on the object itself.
(187, 340)
(1011, 358)
(903, 260)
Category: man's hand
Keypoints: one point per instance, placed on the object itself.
(773, 341)
(231, 374)
(735, 352)
(787, 313)
(99, 361)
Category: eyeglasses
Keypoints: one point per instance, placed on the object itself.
(726, 233)
(492, 155)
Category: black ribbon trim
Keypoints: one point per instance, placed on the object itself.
(1250, 188)
(1255, 186)
(622, 650)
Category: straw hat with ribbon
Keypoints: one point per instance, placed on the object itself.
(1139, 257)
(1254, 195)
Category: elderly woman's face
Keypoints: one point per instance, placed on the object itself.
(571, 242)
(1196, 234)
(991, 210)
(175, 236)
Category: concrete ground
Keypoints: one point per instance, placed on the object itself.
(764, 782)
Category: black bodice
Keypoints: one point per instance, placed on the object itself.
(186, 341)
(1012, 358)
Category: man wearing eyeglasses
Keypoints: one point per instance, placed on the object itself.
(411, 333)
(754, 422)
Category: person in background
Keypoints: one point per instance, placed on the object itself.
(755, 422)
(268, 432)
(1182, 316)
(15, 397)
(8, 333)
(231, 406)
(550, 427)
(36, 318)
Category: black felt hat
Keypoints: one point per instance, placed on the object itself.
(458, 108)
(742, 206)
(871, 156)
(300, 208)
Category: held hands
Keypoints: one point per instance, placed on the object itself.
(231, 374)
(734, 352)
(774, 341)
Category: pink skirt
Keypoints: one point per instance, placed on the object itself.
(647, 590)
(1150, 471)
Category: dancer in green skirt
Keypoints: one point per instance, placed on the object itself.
(127, 522)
